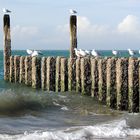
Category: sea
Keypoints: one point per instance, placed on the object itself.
(29, 114)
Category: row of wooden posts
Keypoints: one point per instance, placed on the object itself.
(113, 81)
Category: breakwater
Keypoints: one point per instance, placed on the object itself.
(113, 81)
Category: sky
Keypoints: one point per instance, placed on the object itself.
(44, 24)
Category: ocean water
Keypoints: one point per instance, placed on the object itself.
(29, 114)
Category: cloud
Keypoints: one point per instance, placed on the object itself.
(130, 24)
(24, 32)
(90, 35)
(85, 26)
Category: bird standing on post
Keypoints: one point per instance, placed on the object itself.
(33, 52)
(131, 52)
(114, 52)
(73, 12)
(94, 53)
(6, 10)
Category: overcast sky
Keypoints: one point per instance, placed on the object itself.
(44, 24)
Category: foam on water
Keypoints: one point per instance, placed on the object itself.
(116, 129)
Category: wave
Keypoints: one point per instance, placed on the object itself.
(112, 130)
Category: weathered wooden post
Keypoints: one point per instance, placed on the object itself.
(22, 70)
(7, 46)
(57, 80)
(36, 72)
(85, 76)
(122, 83)
(78, 75)
(28, 70)
(94, 77)
(64, 75)
(73, 35)
(43, 73)
(133, 85)
(71, 74)
(102, 79)
(111, 82)
(50, 80)
(11, 69)
(17, 68)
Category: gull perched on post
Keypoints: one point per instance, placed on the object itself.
(131, 52)
(6, 10)
(94, 53)
(33, 53)
(114, 52)
(82, 53)
(72, 11)
(77, 52)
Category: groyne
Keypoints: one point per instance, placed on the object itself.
(113, 81)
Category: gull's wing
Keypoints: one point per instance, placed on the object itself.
(29, 51)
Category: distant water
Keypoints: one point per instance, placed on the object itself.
(29, 114)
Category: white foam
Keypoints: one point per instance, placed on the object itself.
(64, 108)
(116, 129)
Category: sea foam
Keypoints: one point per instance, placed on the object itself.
(116, 129)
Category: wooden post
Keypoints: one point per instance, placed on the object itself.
(78, 75)
(7, 46)
(73, 35)
(85, 76)
(111, 83)
(122, 83)
(102, 80)
(139, 82)
(28, 70)
(133, 85)
(43, 73)
(22, 70)
(16, 68)
(11, 72)
(50, 83)
(71, 74)
(36, 72)
(64, 75)
(57, 80)
(94, 77)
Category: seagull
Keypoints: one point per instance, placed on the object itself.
(29, 51)
(139, 51)
(114, 52)
(131, 52)
(6, 10)
(82, 52)
(88, 52)
(94, 53)
(33, 53)
(72, 11)
(77, 52)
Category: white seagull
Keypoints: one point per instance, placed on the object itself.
(72, 11)
(94, 53)
(6, 10)
(29, 51)
(33, 53)
(131, 52)
(77, 52)
(82, 52)
(88, 52)
(114, 52)
(139, 51)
